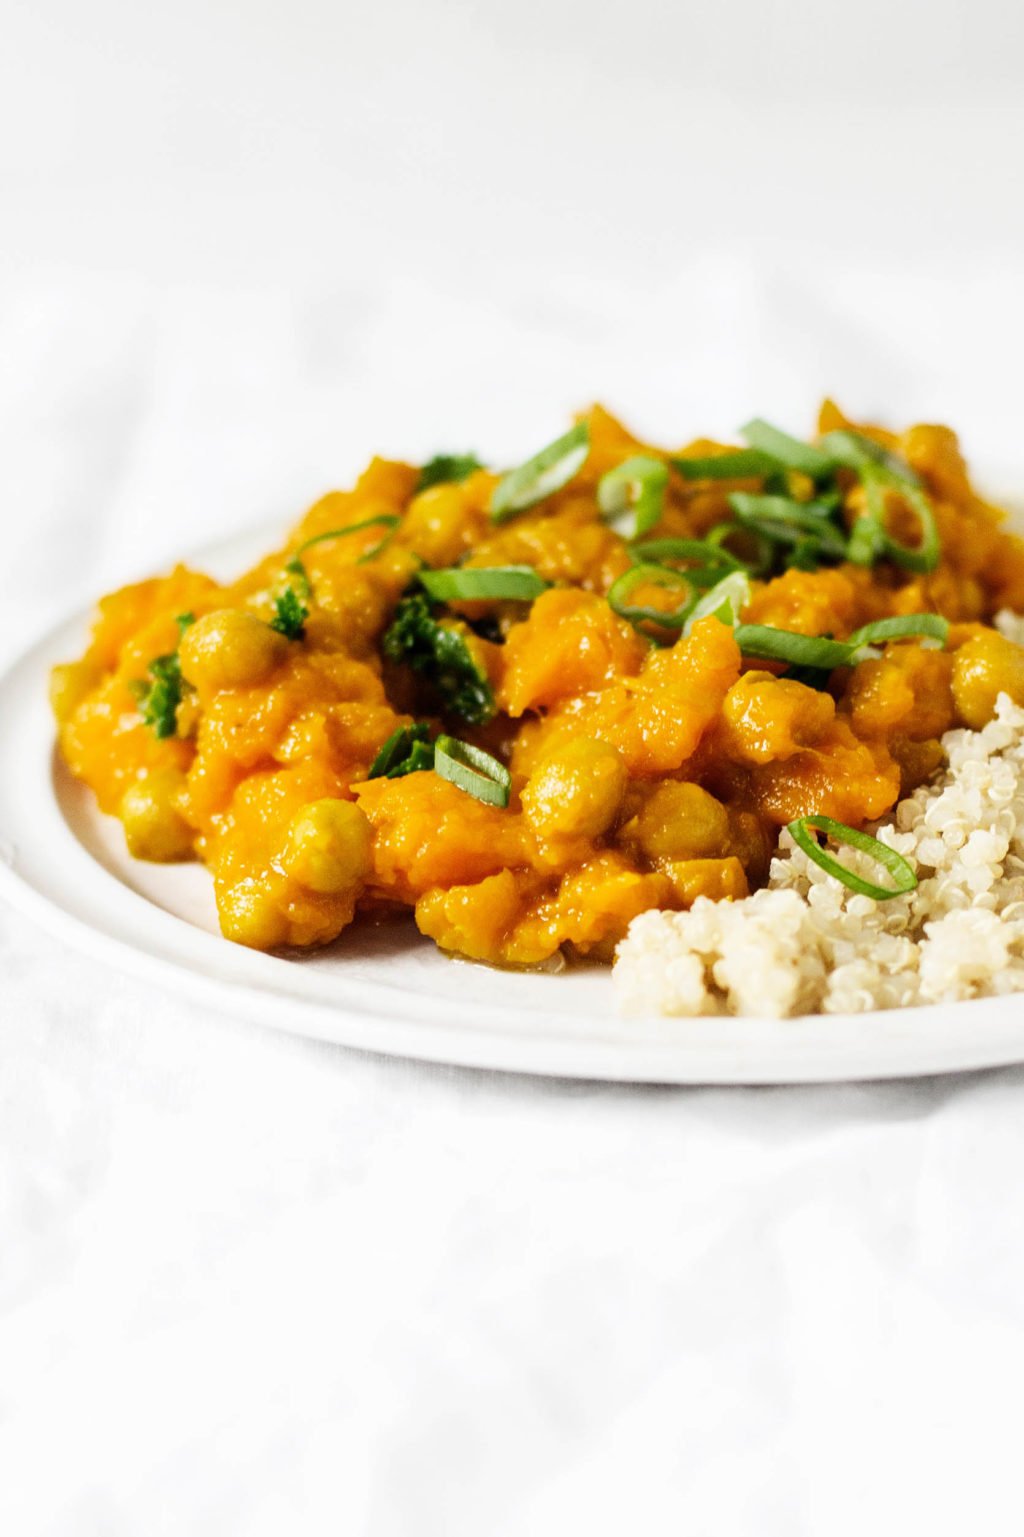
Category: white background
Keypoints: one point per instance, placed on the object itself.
(251, 1286)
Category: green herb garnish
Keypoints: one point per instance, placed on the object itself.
(806, 526)
(160, 697)
(904, 878)
(440, 655)
(725, 601)
(707, 562)
(731, 464)
(541, 476)
(822, 654)
(806, 458)
(479, 582)
(930, 627)
(769, 644)
(881, 472)
(388, 520)
(159, 701)
(406, 751)
(638, 486)
(444, 468)
(639, 615)
(724, 598)
(290, 615)
(472, 770)
(300, 577)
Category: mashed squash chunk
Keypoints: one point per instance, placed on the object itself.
(530, 707)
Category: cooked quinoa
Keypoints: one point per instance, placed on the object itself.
(806, 944)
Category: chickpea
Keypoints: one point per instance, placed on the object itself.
(153, 826)
(230, 648)
(252, 915)
(440, 523)
(984, 667)
(329, 846)
(681, 821)
(69, 684)
(576, 791)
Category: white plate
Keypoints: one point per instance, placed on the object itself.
(389, 990)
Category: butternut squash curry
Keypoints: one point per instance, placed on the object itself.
(530, 706)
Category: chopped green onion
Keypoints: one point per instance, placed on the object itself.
(732, 464)
(795, 455)
(388, 520)
(699, 550)
(870, 539)
(541, 476)
(473, 770)
(406, 750)
(856, 451)
(639, 484)
(930, 627)
(717, 561)
(769, 644)
(924, 556)
(904, 878)
(724, 601)
(443, 469)
(638, 615)
(785, 521)
(762, 562)
(811, 517)
(471, 582)
(806, 554)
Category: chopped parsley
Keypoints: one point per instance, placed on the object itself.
(444, 468)
(441, 657)
(290, 615)
(160, 697)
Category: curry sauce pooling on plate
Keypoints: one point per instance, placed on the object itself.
(531, 706)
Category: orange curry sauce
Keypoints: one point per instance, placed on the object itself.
(645, 772)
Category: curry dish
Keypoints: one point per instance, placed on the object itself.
(531, 706)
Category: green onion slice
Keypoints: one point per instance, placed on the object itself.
(471, 582)
(473, 770)
(903, 876)
(855, 451)
(815, 462)
(639, 483)
(784, 521)
(710, 562)
(769, 644)
(541, 476)
(870, 539)
(698, 550)
(932, 629)
(388, 520)
(637, 614)
(725, 601)
(923, 556)
(762, 562)
(732, 464)
(405, 751)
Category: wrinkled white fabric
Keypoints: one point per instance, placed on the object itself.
(250, 1285)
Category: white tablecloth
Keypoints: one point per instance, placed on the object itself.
(249, 1285)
